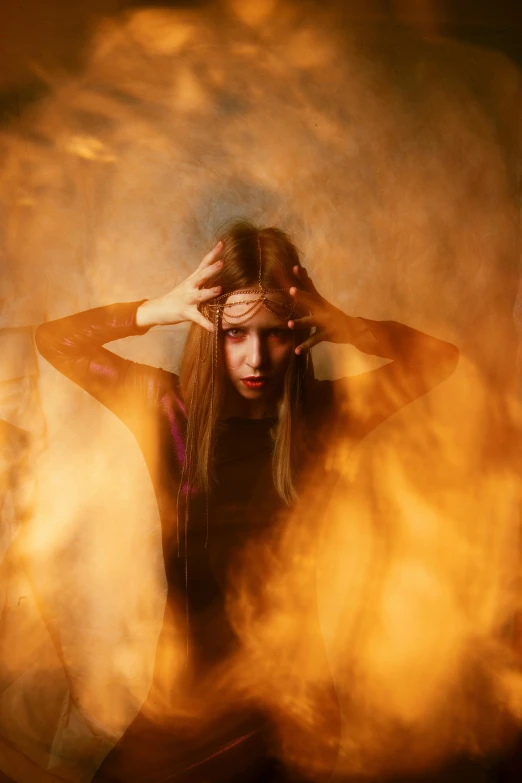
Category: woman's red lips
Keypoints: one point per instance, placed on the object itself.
(254, 381)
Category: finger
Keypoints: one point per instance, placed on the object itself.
(302, 275)
(308, 283)
(306, 322)
(202, 274)
(313, 340)
(304, 297)
(303, 305)
(199, 319)
(211, 257)
(204, 294)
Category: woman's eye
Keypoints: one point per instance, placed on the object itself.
(279, 333)
(234, 333)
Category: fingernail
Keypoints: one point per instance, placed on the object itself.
(293, 291)
(220, 243)
(217, 289)
(298, 351)
(291, 324)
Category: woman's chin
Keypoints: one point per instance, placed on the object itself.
(252, 394)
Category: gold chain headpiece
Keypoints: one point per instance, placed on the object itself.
(228, 310)
(241, 311)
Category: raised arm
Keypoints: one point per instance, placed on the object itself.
(74, 344)
(418, 361)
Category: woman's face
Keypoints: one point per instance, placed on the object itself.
(257, 353)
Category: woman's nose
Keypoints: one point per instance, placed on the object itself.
(255, 353)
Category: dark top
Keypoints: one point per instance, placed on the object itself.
(244, 502)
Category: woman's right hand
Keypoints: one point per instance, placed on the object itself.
(181, 304)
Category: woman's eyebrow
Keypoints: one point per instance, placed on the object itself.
(246, 326)
(282, 326)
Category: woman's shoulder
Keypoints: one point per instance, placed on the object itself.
(169, 382)
(155, 384)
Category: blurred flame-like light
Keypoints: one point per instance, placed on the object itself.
(376, 620)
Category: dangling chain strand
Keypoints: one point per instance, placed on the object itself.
(260, 265)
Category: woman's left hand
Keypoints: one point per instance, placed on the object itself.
(330, 323)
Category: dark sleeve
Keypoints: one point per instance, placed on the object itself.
(418, 362)
(74, 346)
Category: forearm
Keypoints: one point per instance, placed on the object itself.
(396, 341)
(78, 334)
(418, 363)
(74, 346)
(158, 312)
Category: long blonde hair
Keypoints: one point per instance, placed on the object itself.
(202, 372)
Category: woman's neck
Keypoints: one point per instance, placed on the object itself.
(236, 406)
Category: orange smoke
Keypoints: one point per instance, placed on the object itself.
(381, 641)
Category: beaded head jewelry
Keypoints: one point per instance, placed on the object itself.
(241, 311)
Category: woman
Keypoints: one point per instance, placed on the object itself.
(228, 445)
